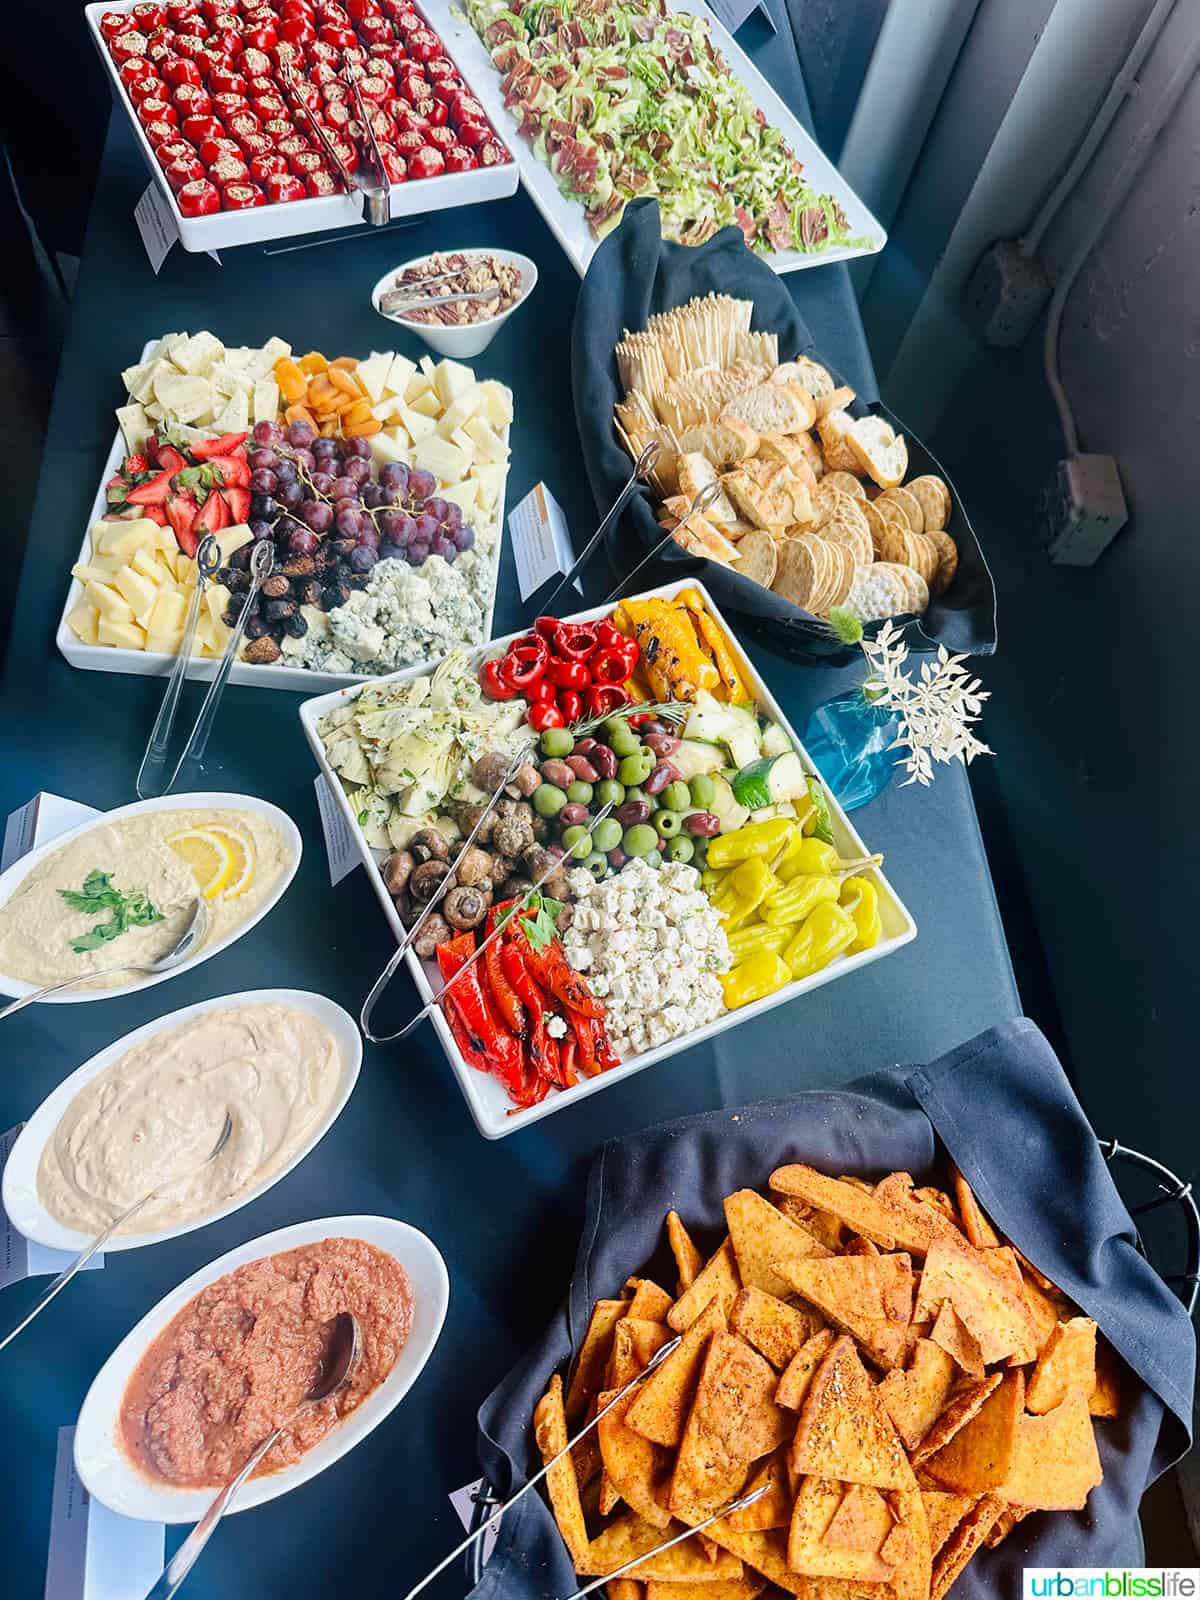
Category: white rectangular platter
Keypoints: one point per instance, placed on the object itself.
(282, 221)
(488, 1103)
(154, 663)
(565, 218)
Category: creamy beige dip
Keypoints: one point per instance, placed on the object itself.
(37, 925)
(156, 1113)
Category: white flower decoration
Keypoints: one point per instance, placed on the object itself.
(937, 710)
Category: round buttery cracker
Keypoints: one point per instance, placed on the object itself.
(758, 558)
(847, 483)
(877, 523)
(923, 555)
(893, 546)
(847, 525)
(916, 590)
(934, 498)
(947, 560)
(801, 573)
(910, 506)
(845, 566)
(893, 513)
(876, 592)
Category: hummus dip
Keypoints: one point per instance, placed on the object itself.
(156, 1113)
(38, 926)
(239, 1358)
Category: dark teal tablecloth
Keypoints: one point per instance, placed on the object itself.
(505, 1215)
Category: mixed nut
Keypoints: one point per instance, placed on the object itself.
(497, 283)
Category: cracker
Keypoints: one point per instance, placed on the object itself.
(947, 553)
(934, 498)
(910, 506)
(877, 523)
(848, 484)
(923, 555)
(915, 589)
(799, 575)
(758, 558)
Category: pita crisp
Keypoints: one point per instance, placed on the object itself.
(844, 1431)
(660, 1406)
(775, 1329)
(1067, 1361)
(980, 1455)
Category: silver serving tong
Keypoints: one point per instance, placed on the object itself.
(396, 302)
(519, 905)
(642, 467)
(699, 505)
(443, 888)
(375, 197)
(656, 1360)
(377, 208)
(155, 759)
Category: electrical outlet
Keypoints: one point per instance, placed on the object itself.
(1081, 510)
(1006, 294)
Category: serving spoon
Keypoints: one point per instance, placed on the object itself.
(341, 1357)
(102, 1239)
(192, 935)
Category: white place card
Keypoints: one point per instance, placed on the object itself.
(156, 224)
(463, 1501)
(95, 1554)
(39, 820)
(20, 1258)
(339, 841)
(541, 541)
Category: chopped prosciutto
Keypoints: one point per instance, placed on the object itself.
(814, 227)
(779, 225)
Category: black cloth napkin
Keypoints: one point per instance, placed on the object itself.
(1002, 1107)
(636, 273)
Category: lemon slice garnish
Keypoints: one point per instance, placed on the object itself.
(209, 857)
(241, 850)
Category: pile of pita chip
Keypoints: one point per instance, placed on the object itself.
(903, 1385)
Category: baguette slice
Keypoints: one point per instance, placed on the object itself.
(724, 442)
(834, 429)
(774, 408)
(880, 451)
(837, 401)
(791, 451)
(696, 472)
(810, 375)
(701, 538)
(757, 491)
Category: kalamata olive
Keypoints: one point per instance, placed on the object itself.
(604, 760)
(584, 747)
(583, 769)
(572, 815)
(555, 850)
(617, 858)
(558, 773)
(663, 744)
(631, 813)
(702, 824)
(663, 774)
(651, 725)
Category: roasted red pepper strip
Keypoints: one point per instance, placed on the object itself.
(515, 970)
(500, 1050)
(586, 1044)
(503, 993)
(605, 1055)
(574, 641)
(550, 968)
(566, 1053)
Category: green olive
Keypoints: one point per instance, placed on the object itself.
(635, 769)
(654, 859)
(677, 796)
(702, 790)
(578, 841)
(597, 865)
(606, 835)
(681, 848)
(640, 840)
(622, 741)
(580, 793)
(557, 742)
(609, 792)
(548, 799)
(668, 824)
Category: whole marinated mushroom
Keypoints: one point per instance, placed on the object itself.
(536, 862)
(513, 833)
(435, 932)
(468, 816)
(423, 883)
(397, 870)
(466, 907)
(490, 771)
(473, 867)
(429, 844)
(525, 780)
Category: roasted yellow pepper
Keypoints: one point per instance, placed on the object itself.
(712, 635)
(825, 932)
(741, 892)
(754, 978)
(672, 662)
(755, 839)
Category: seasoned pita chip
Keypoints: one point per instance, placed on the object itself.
(966, 1404)
(856, 1208)
(1067, 1361)
(661, 1404)
(1105, 1398)
(588, 1377)
(915, 1398)
(823, 1225)
(765, 1552)
(861, 1522)
(550, 1432)
(844, 1431)
(585, 1452)
(733, 1421)
(956, 1339)
(1054, 1463)
(747, 1588)
(624, 1589)
(798, 1374)
(719, 1277)
(1004, 1262)
(921, 1224)
(906, 1548)
(688, 1260)
(980, 1455)
(870, 1297)
(762, 1239)
(638, 1470)
(963, 1543)
(1047, 1307)
(810, 1551)
(1004, 1525)
(774, 1328)
(981, 1289)
(975, 1225)
(634, 1342)
(649, 1301)
(858, 1246)
(944, 1510)
(942, 1201)
(774, 1510)
(631, 1537)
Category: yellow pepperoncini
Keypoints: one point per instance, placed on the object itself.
(760, 975)
(804, 855)
(861, 899)
(741, 892)
(793, 901)
(744, 844)
(825, 932)
(748, 941)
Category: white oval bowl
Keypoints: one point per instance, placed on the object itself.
(20, 1194)
(460, 343)
(208, 801)
(111, 1477)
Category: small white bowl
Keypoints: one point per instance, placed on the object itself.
(462, 341)
(20, 1192)
(112, 1478)
(213, 800)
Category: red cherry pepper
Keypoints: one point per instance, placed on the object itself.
(607, 633)
(605, 698)
(427, 162)
(575, 641)
(160, 133)
(213, 149)
(546, 626)
(493, 684)
(242, 196)
(133, 69)
(321, 184)
(460, 159)
(182, 71)
(571, 674)
(113, 24)
(545, 714)
(199, 199)
(184, 169)
(611, 663)
(526, 661)
(543, 689)
(570, 703)
(285, 186)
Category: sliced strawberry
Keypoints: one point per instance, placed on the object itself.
(138, 464)
(152, 493)
(205, 449)
(234, 470)
(214, 515)
(238, 501)
(154, 514)
(182, 511)
(170, 458)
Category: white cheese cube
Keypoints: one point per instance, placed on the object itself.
(140, 593)
(197, 355)
(235, 418)
(417, 385)
(384, 448)
(123, 635)
(182, 396)
(450, 379)
(265, 401)
(388, 409)
(123, 538)
(465, 443)
(490, 478)
(445, 460)
(134, 425)
(145, 561)
(465, 495)
(166, 644)
(95, 571)
(84, 624)
(399, 376)
(428, 366)
(419, 425)
(139, 380)
(216, 598)
(498, 403)
(463, 408)
(428, 403)
(489, 443)
(169, 613)
(373, 373)
(231, 539)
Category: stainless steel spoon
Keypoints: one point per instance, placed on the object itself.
(341, 1358)
(102, 1239)
(185, 945)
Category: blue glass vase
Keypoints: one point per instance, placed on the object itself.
(848, 738)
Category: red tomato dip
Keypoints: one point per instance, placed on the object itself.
(242, 1354)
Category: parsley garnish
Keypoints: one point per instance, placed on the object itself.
(538, 919)
(99, 894)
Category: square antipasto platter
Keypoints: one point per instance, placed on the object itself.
(401, 791)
